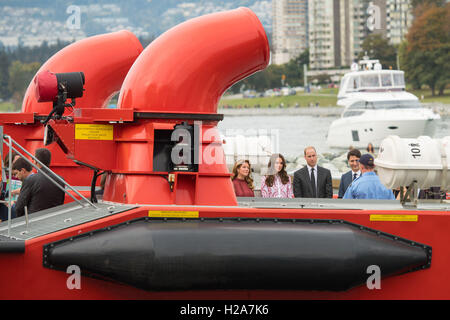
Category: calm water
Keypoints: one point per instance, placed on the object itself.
(298, 132)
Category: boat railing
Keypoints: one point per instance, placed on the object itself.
(54, 178)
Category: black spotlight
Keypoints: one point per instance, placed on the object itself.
(58, 87)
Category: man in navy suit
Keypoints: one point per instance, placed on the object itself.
(353, 157)
(312, 181)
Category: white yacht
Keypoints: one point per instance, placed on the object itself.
(376, 106)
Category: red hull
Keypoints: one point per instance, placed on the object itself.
(26, 270)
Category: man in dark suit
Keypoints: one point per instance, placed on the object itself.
(312, 181)
(348, 177)
(37, 191)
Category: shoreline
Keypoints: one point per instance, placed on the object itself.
(311, 111)
(329, 111)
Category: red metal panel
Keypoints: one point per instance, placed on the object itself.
(16, 117)
(138, 188)
(86, 115)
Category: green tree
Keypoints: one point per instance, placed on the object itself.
(271, 76)
(4, 75)
(379, 48)
(412, 74)
(294, 69)
(20, 76)
(416, 3)
(427, 50)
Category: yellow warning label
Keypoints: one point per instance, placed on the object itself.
(85, 131)
(394, 217)
(173, 214)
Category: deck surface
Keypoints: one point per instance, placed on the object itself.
(72, 214)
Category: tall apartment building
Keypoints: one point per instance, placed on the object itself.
(369, 17)
(399, 19)
(289, 29)
(321, 34)
(335, 29)
(390, 18)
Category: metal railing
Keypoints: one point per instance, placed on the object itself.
(14, 146)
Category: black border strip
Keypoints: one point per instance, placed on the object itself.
(160, 115)
(184, 116)
(8, 245)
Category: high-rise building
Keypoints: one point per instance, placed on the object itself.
(337, 29)
(289, 29)
(331, 33)
(369, 17)
(390, 18)
(399, 19)
(334, 30)
(321, 34)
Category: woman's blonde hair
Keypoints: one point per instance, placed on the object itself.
(248, 178)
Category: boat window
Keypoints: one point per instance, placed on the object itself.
(399, 79)
(357, 105)
(352, 84)
(343, 86)
(370, 80)
(386, 80)
(352, 113)
(394, 104)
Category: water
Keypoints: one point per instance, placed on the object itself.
(299, 131)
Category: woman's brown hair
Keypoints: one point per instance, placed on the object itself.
(270, 178)
(248, 178)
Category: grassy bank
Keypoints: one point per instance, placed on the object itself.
(428, 98)
(303, 100)
(325, 97)
(6, 107)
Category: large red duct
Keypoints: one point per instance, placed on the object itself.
(104, 60)
(189, 67)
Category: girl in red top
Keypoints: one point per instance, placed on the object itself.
(242, 179)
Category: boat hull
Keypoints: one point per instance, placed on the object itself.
(28, 268)
(359, 131)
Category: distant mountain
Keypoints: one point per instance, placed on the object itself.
(29, 22)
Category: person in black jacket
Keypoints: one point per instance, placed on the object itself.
(312, 181)
(347, 178)
(37, 191)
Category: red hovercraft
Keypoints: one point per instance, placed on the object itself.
(169, 225)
